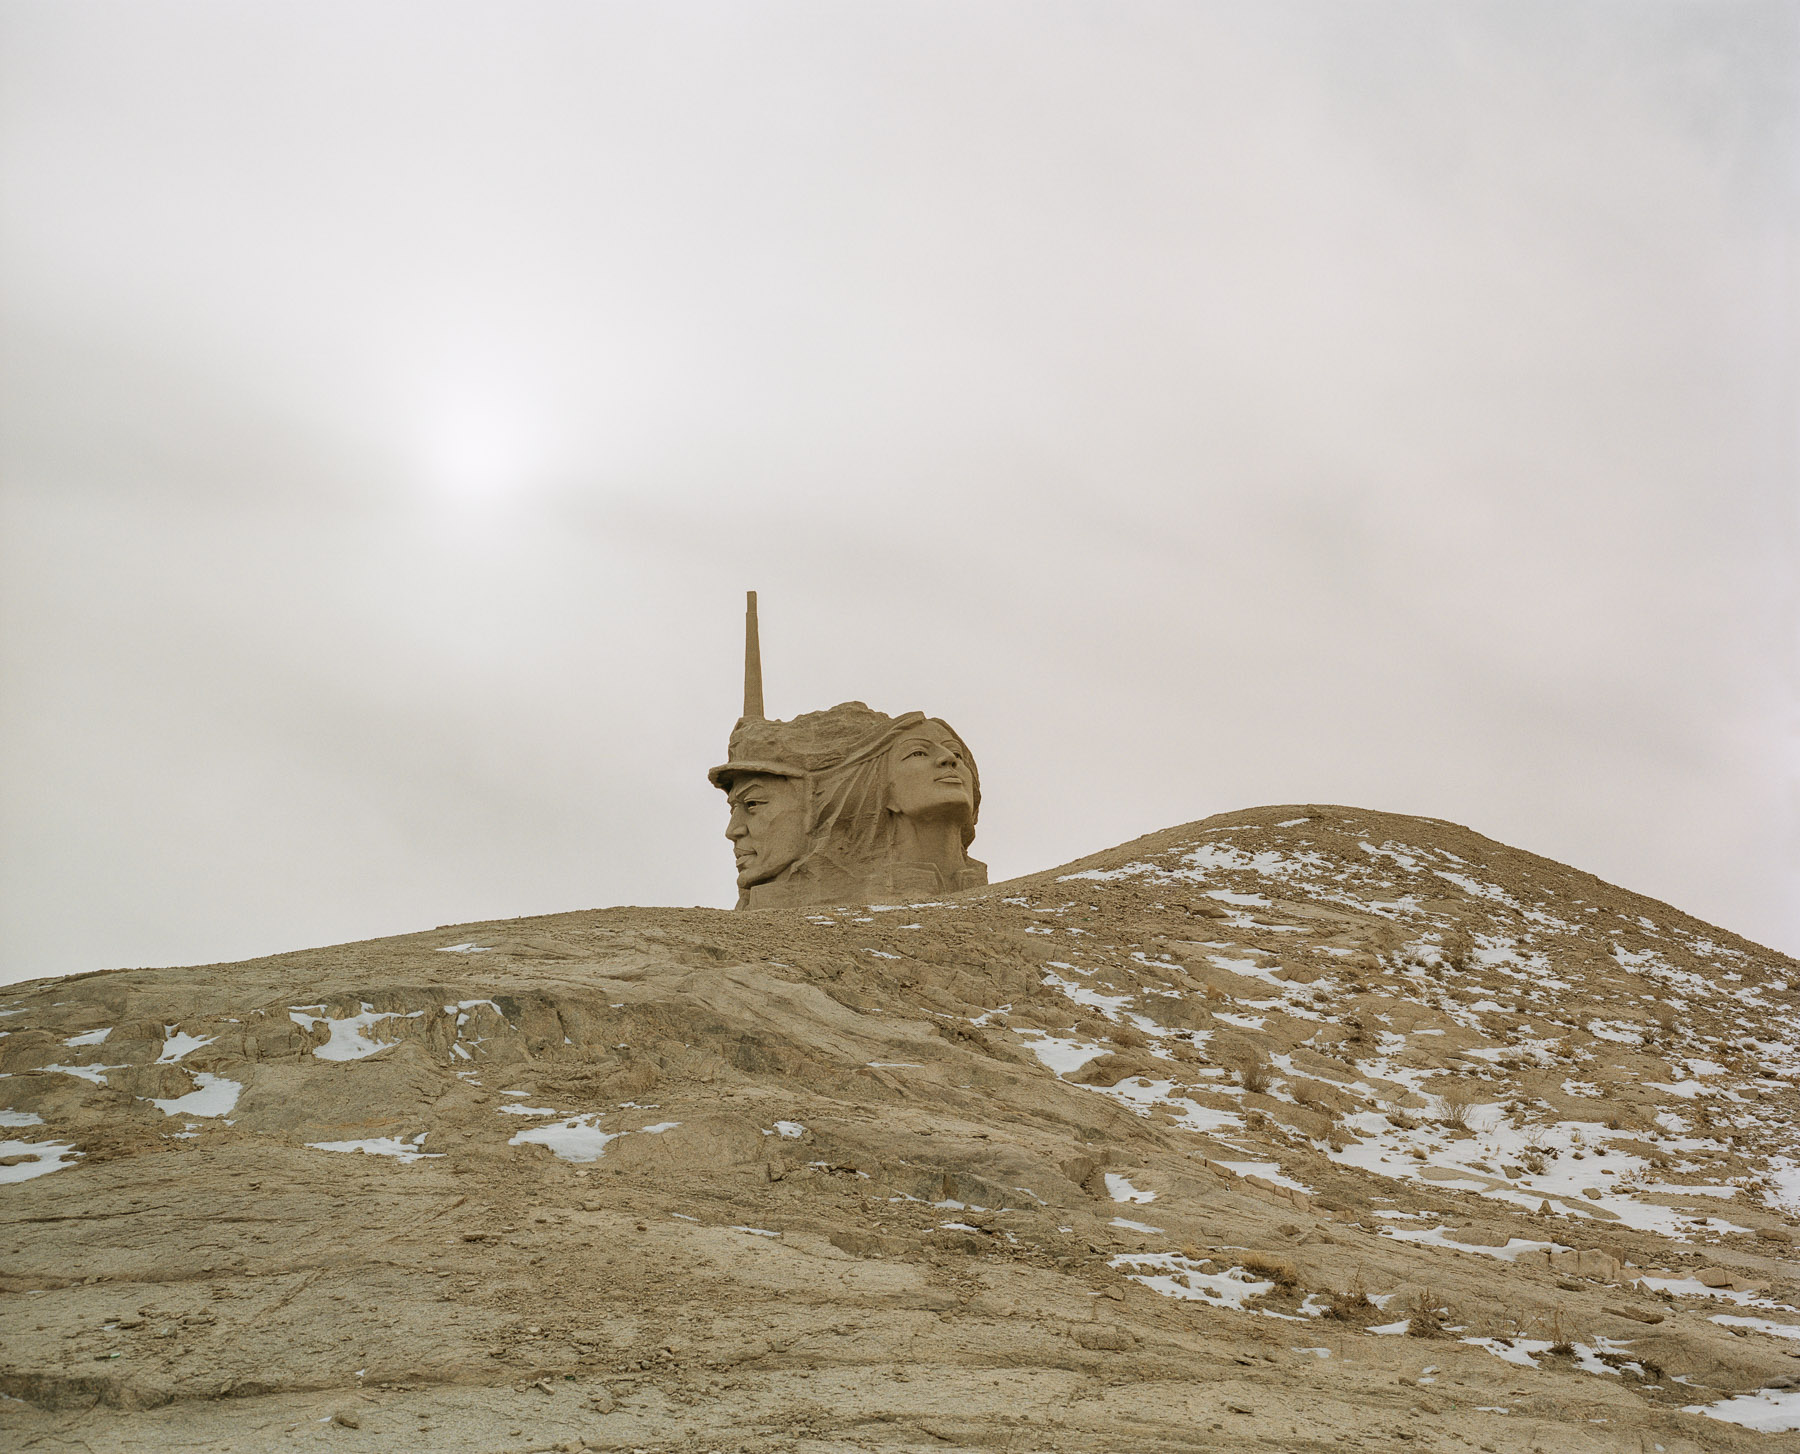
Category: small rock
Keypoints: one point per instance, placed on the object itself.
(348, 1418)
(1589, 1263)
(1713, 1277)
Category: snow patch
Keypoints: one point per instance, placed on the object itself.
(1174, 1275)
(577, 1138)
(213, 1095)
(347, 1040)
(573, 1139)
(1122, 1190)
(40, 1158)
(1269, 1171)
(381, 1146)
(94, 1073)
(1770, 1411)
(177, 1043)
(1759, 1325)
(1440, 1237)
(1064, 1056)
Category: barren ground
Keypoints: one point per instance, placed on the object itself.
(1303, 1128)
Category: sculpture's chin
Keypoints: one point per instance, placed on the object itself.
(951, 804)
(754, 874)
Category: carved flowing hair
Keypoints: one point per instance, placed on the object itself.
(849, 802)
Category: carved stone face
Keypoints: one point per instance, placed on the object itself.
(929, 775)
(767, 827)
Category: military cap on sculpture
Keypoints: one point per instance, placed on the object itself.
(845, 806)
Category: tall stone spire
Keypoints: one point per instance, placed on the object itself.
(753, 696)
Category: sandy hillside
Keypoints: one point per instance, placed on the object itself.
(1301, 1128)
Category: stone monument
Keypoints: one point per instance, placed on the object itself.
(845, 806)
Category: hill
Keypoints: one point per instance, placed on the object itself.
(1303, 1127)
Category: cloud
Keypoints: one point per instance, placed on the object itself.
(1196, 405)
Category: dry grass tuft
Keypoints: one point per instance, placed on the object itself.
(1255, 1074)
(1459, 949)
(1459, 1103)
(1278, 1270)
(1427, 1320)
(1352, 1303)
(1315, 1097)
(1561, 1344)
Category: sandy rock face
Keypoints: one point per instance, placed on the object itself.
(1306, 1125)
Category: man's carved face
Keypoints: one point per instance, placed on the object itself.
(768, 825)
(929, 775)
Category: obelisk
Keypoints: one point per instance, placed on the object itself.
(753, 699)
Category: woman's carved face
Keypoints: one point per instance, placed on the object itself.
(929, 775)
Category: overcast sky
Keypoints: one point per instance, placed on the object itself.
(1197, 405)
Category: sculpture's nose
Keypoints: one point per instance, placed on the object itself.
(736, 828)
